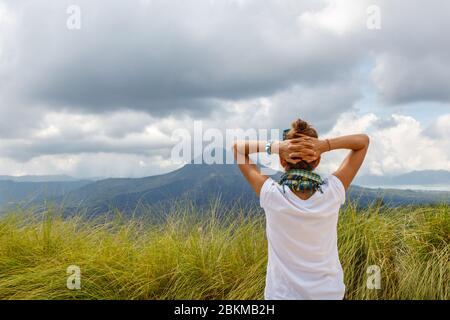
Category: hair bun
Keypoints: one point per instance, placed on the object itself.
(299, 125)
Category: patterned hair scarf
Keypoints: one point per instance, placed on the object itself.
(301, 180)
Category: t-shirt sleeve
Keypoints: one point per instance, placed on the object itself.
(266, 191)
(336, 186)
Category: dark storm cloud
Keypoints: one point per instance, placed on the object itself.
(413, 52)
(320, 105)
(168, 56)
(137, 70)
(24, 151)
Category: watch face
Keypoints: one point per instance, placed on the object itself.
(268, 147)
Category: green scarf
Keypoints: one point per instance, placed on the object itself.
(301, 180)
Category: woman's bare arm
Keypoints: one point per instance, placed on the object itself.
(357, 143)
(242, 150)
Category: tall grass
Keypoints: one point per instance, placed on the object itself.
(194, 254)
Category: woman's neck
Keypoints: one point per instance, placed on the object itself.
(304, 195)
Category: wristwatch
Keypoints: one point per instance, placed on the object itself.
(269, 147)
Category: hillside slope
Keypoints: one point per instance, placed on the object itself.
(13, 192)
(198, 184)
(201, 183)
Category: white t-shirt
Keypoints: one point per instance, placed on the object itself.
(303, 261)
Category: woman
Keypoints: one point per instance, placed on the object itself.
(302, 211)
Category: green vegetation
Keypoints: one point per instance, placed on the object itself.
(195, 255)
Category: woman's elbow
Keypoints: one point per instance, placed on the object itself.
(365, 139)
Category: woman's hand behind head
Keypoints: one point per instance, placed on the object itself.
(296, 150)
(318, 146)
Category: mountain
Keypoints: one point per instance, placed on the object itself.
(420, 178)
(396, 197)
(13, 192)
(198, 184)
(201, 183)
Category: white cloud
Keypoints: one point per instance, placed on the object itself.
(125, 132)
(398, 144)
(338, 16)
(89, 165)
(441, 129)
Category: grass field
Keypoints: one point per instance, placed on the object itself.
(195, 255)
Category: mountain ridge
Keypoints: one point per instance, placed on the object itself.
(13, 192)
(196, 183)
(199, 183)
(417, 177)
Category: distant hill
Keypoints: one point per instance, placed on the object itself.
(199, 184)
(425, 177)
(12, 192)
(396, 197)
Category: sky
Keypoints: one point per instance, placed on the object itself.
(96, 89)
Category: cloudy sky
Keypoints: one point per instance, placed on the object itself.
(105, 98)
